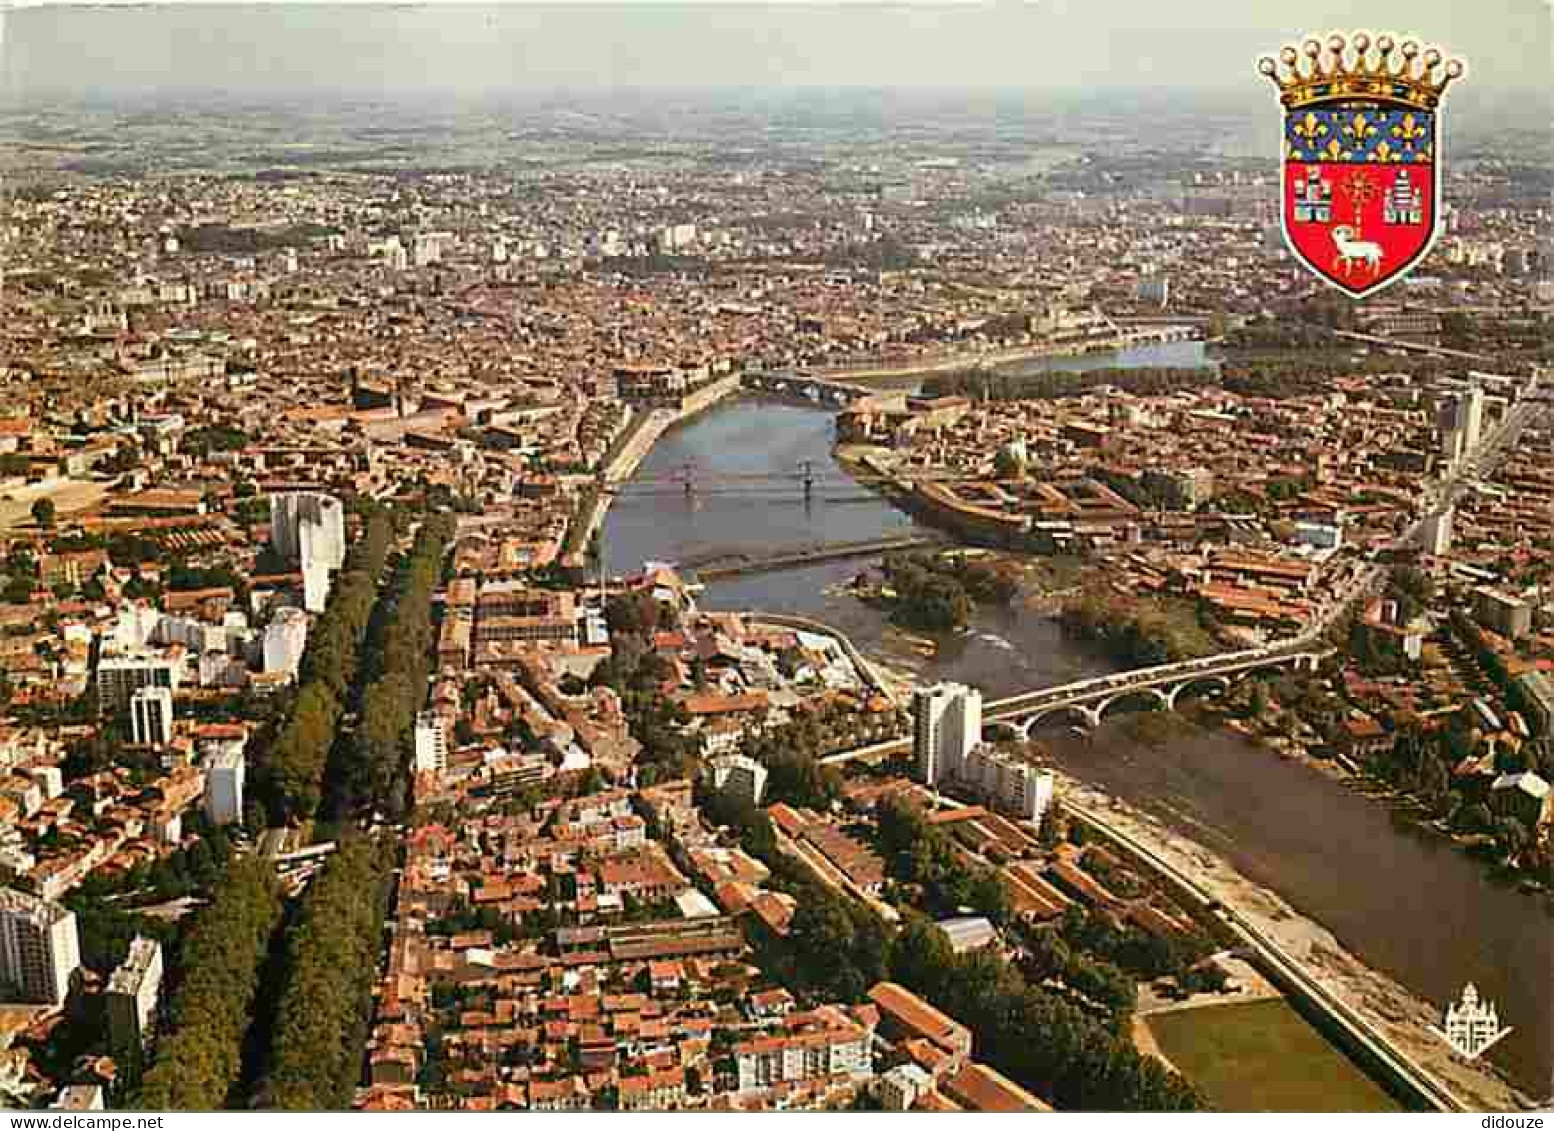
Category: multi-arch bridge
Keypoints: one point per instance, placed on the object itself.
(792, 383)
(1088, 702)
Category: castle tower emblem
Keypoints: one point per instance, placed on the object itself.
(1404, 205)
(1471, 1026)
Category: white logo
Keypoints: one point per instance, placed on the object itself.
(1471, 1026)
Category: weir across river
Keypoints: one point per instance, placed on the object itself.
(718, 566)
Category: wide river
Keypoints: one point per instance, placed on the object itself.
(1405, 903)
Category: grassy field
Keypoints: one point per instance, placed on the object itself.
(1263, 1056)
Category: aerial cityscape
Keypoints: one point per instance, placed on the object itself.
(619, 564)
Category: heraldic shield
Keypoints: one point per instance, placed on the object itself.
(1360, 178)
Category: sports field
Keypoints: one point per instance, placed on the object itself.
(67, 495)
(1263, 1056)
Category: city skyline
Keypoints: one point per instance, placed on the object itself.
(1055, 45)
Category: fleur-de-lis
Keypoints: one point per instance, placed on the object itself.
(1359, 128)
(1334, 151)
(1408, 131)
(1385, 152)
(1310, 127)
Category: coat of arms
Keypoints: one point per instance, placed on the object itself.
(1361, 176)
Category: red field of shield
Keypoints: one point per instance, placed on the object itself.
(1374, 230)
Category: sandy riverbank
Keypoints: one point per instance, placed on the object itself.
(1397, 1013)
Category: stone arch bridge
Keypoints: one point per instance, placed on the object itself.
(806, 386)
(1088, 702)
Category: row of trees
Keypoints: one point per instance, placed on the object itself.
(195, 867)
(1032, 1035)
(326, 1000)
(290, 776)
(201, 1058)
(1056, 384)
(372, 768)
(213, 438)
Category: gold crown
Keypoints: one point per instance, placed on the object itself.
(1328, 74)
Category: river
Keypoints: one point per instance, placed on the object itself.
(1402, 901)
(1184, 355)
(1007, 650)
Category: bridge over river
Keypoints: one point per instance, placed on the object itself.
(1088, 701)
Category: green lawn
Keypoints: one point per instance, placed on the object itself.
(1263, 1056)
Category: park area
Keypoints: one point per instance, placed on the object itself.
(1263, 1056)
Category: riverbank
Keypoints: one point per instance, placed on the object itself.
(1359, 778)
(1399, 1016)
(633, 445)
(1409, 807)
(1260, 1055)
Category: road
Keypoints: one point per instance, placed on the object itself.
(1482, 461)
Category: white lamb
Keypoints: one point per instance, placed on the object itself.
(1352, 251)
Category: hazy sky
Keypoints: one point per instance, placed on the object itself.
(1179, 44)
